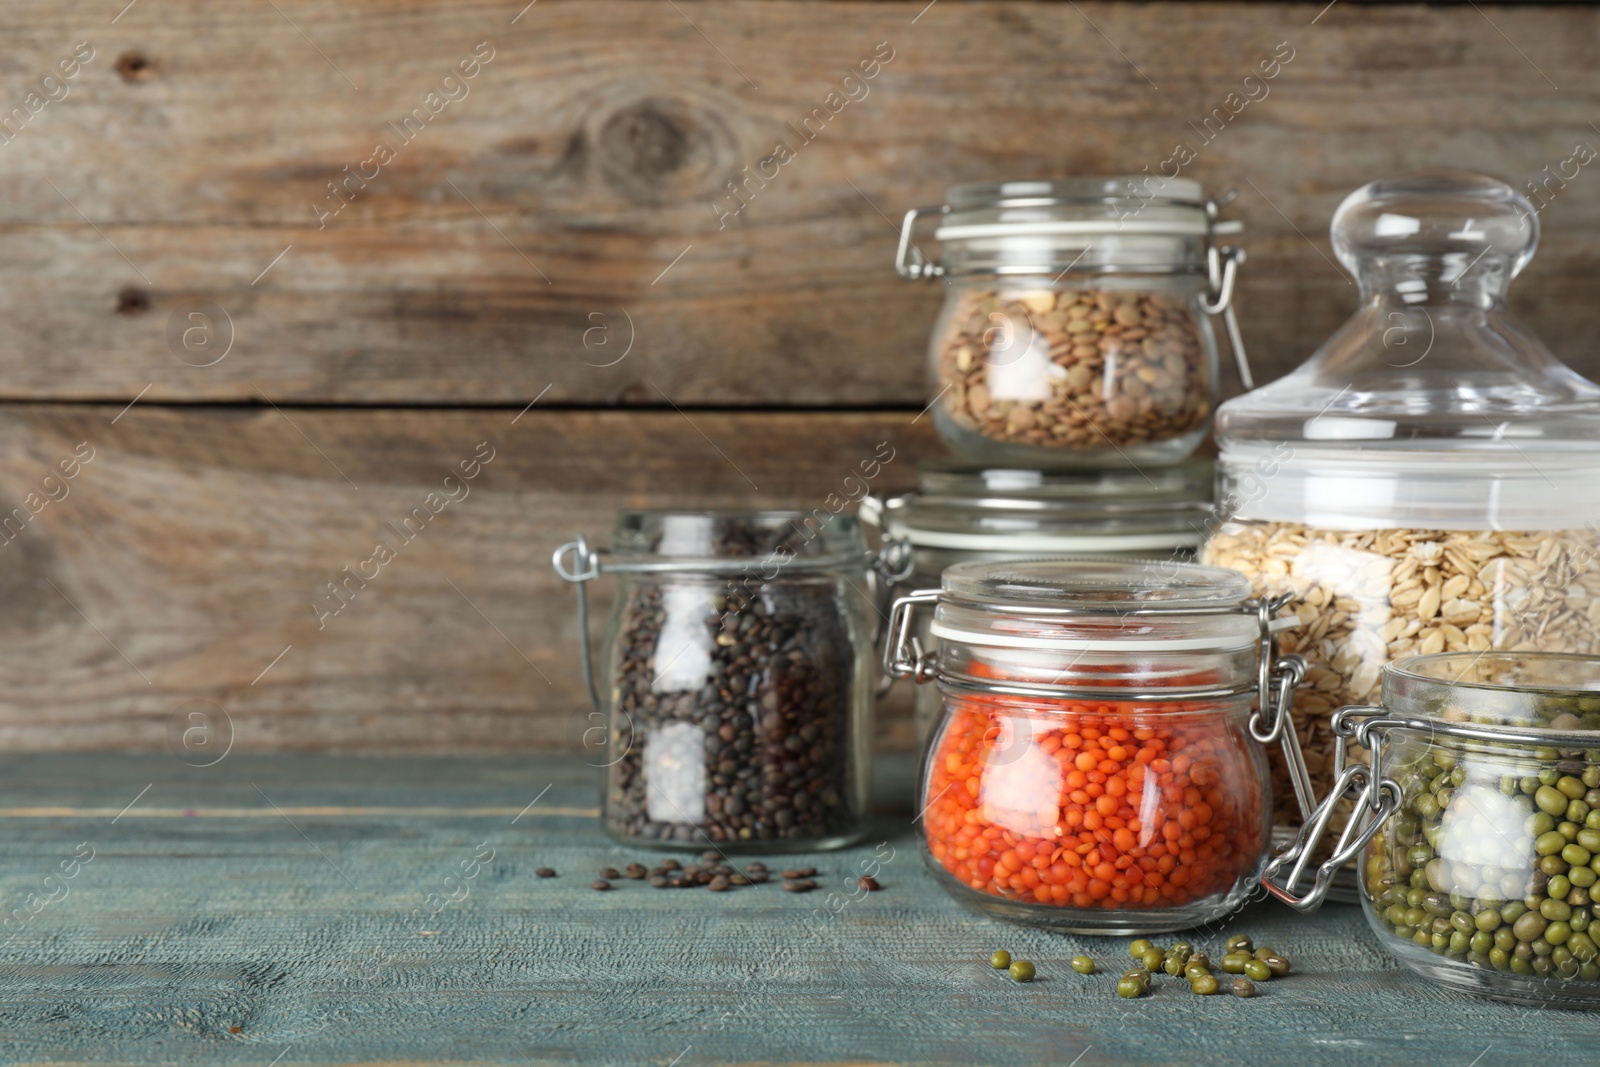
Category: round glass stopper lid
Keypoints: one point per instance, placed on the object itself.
(1433, 392)
(1432, 359)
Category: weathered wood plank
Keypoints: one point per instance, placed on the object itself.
(319, 941)
(189, 549)
(596, 157)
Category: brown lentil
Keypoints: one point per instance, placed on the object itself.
(1116, 368)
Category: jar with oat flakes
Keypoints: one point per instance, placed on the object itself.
(1076, 329)
(1426, 482)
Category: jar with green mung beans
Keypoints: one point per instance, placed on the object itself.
(1477, 827)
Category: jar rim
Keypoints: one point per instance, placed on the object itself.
(1079, 610)
(1108, 189)
(1101, 587)
(963, 507)
(738, 537)
(1428, 668)
(1515, 708)
(1109, 225)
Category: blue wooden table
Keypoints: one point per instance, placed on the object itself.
(323, 910)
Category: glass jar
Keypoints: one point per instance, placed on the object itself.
(1097, 766)
(1076, 326)
(1425, 482)
(960, 513)
(1479, 835)
(736, 678)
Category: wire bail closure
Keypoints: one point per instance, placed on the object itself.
(575, 562)
(1376, 798)
(1222, 269)
(1271, 721)
(909, 262)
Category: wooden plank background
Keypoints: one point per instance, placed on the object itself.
(552, 236)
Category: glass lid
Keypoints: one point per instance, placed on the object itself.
(1094, 586)
(1544, 690)
(1432, 405)
(1169, 205)
(1134, 223)
(987, 509)
(1152, 608)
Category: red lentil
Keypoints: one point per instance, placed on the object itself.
(1093, 805)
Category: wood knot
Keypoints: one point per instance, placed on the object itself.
(657, 150)
(133, 301)
(648, 139)
(135, 66)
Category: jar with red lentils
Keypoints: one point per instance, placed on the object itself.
(1098, 763)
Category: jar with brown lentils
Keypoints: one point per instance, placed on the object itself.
(736, 679)
(1076, 327)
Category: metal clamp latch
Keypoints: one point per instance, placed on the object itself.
(1222, 270)
(585, 568)
(1376, 798)
(903, 654)
(909, 262)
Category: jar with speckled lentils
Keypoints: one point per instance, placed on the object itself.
(1076, 329)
